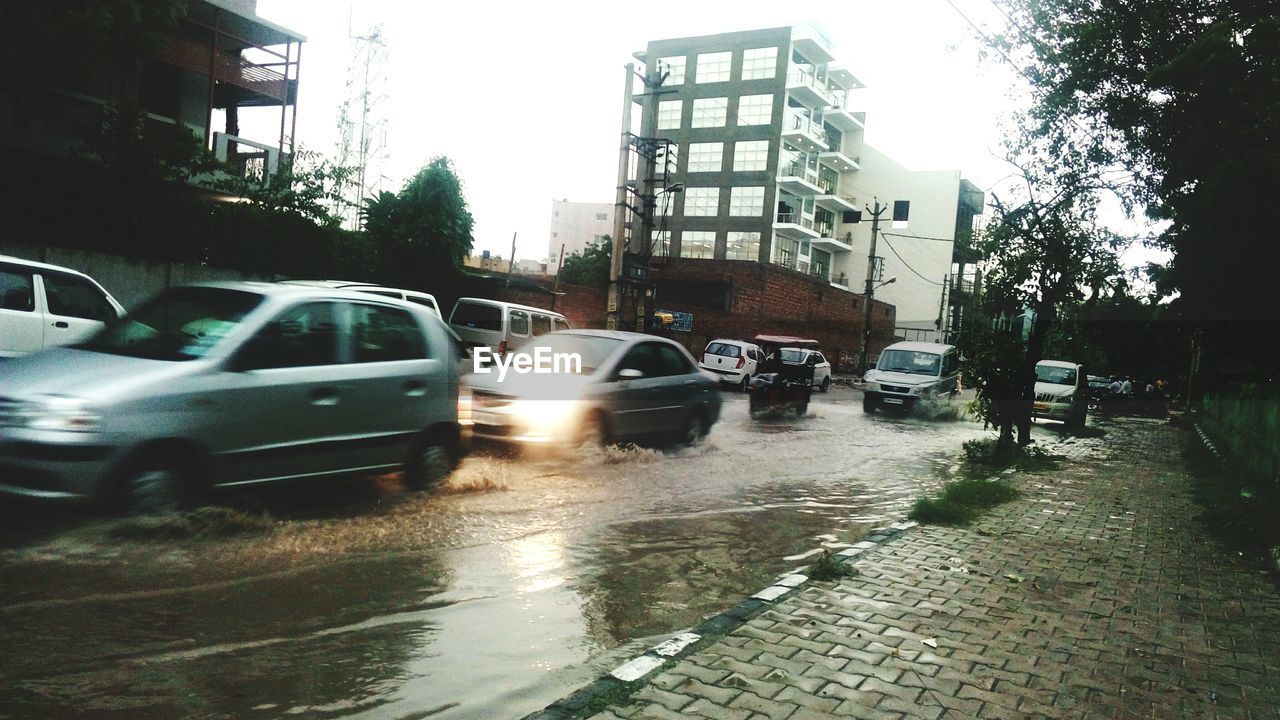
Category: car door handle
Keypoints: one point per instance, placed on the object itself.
(415, 388)
(61, 324)
(323, 396)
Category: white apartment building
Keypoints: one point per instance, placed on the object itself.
(575, 225)
(768, 145)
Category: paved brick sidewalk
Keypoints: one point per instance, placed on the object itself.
(1097, 594)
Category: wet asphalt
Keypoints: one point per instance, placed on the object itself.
(525, 577)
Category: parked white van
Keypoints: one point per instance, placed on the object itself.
(910, 372)
(43, 306)
(426, 300)
(500, 325)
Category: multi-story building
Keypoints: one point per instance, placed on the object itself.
(767, 142)
(577, 225)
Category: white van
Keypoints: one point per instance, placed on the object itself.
(910, 372)
(43, 305)
(500, 325)
(426, 300)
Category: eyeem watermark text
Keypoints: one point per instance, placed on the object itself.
(540, 362)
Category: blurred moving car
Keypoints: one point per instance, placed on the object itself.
(1061, 392)
(735, 361)
(44, 305)
(624, 387)
(231, 384)
(426, 300)
(908, 373)
(500, 326)
(1099, 388)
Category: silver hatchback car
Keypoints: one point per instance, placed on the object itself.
(232, 384)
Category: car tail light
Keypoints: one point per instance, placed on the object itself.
(502, 348)
(741, 361)
(705, 356)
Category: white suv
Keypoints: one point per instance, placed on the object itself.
(1062, 392)
(912, 372)
(45, 305)
(733, 361)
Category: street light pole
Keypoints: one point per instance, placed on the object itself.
(876, 211)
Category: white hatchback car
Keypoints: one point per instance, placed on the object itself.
(44, 306)
(821, 370)
(733, 361)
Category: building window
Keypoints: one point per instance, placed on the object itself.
(661, 243)
(701, 201)
(759, 63)
(746, 202)
(710, 112)
(785, 251)
(669, 114)
(743, 246)
(750, 155)
(674, 65)
(602, 216)
(698, 244)
(755, 110)
(705, 157)
(714, 67)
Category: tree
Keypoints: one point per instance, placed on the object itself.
(1046, 248)
(424, 231)
(1184, 94)
(591, 266)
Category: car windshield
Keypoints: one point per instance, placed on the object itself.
(570, 352)
(1055, 375)
(178, 324)
(910, 361)
(792, 355)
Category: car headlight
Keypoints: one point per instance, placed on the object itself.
(61, 413)
(464, 407)
(546, 415)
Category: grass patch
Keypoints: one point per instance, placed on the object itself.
(961, 501)
(983, 456)
(1241, 509)
(827, 568)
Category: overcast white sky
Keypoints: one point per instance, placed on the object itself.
(526, 98)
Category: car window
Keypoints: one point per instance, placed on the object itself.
(423, 301)
(792, 355)
(639, 358)
(592, 350)
(383, 334)
(820, 358)
(519, 322)
(541, 324)
(724, 350)
(71, 296)
(177, 324)
(302, 336)
(670, 361)
(17, 290)
(949, 362)
(560, 323)
(384, 293)
(477, 315)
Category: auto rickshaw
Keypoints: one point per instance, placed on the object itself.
(784, 383)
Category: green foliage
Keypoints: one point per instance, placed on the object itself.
(961, 501)
(1182, 94)
(986, 455)
(589, 267)
(1242, 509)
(827, 568)
(423, 232)
(306, 183)
(142, 150)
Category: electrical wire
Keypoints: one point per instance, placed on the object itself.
(904, 264)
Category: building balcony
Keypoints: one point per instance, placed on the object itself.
(797, 179)
(826, 240)
(812, 43)
(840, 75)
(838, 160)
(803, 132)
(794, 226)
(803, 85)
(248, 158)
(844, 119)
(840, 281)
(836, 203)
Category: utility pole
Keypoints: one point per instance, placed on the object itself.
(614, 309)
(942, 308)
(555, 291)
(876, 211)
(511, 265)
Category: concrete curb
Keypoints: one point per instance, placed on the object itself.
(627, 678)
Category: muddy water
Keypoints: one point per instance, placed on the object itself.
(523, 579)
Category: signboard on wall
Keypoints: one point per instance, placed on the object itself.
(678, 321)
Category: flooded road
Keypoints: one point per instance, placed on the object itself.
(520, 581)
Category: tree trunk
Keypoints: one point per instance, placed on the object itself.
(1045, 312)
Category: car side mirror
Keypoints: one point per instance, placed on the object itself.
(629, 374)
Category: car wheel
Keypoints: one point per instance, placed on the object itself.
(695, 429)
(430, 462)
(155, 487)
(802, 409)
(746, 383)
(594, 433)
(826, 384)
